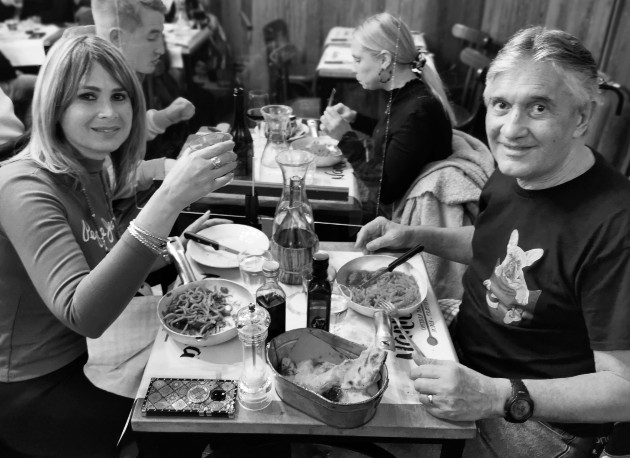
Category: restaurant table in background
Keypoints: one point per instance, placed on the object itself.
(25, 47)
(332, 192)
(185, 46)
(400, 416)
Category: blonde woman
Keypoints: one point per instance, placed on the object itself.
(416, 127)
(66, 272)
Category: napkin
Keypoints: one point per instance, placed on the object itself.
(117, 358)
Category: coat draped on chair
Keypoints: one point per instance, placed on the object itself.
(446, 194)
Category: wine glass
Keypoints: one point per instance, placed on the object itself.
(255, 101)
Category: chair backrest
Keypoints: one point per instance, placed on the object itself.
(470, 111)
(471, 37)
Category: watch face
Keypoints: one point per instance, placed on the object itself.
(520, 409)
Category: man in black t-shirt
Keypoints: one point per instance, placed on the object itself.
(543, 331)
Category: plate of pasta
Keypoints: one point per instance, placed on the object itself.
(404, 287)
(202, 313)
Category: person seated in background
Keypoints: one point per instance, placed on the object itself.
(136, 27)
(67, 273)
(10, 126)
(19, 88)
(415, 129)
(543, 331)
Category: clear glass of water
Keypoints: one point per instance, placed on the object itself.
(250, 262)
(339, 299)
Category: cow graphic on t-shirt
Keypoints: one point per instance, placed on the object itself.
(508, 297)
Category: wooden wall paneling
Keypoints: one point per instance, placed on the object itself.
(586, 19)
(618, 65)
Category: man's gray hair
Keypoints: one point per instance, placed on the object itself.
(564, 51)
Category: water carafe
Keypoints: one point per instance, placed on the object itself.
(277, 118)
(294, 163)
(293, 240)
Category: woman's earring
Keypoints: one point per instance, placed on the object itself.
(387, 77)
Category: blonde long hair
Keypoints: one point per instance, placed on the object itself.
(384, 32)
(67, 65)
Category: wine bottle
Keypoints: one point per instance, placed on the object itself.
(318, 296)
(243, 143)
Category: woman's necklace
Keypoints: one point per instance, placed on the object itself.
(98, 233)
(388, 114)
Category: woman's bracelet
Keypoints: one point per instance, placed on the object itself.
(154, 242)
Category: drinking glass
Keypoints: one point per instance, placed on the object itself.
(307, 275)
(255, 101)
(250, 263)
(339, 299)
(206, 139)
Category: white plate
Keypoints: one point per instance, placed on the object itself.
(236, 236)
(373, 263)
(328, 160)
(241, 298)
(302, 130)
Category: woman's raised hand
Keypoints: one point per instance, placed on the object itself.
(199, 173)
(336, 120)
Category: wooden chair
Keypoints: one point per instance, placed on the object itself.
(284, 85)
(469, 109)
(473, 38)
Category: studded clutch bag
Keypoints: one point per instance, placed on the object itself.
(190, 397)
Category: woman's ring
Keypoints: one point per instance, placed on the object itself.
(430, 396)
(216, 162)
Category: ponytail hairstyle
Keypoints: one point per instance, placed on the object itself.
(383, 32)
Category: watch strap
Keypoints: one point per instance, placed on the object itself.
(519, 393)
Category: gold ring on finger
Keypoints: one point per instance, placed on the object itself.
(216, 162)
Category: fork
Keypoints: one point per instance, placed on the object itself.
(393, 312)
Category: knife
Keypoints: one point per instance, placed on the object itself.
(392, 265)
(206, 241)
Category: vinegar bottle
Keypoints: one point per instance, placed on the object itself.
(318, 294)
(272, 297)
(243, 142)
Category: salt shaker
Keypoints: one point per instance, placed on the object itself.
(254, 384)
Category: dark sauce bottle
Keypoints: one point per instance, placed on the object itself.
(318, 295)
(272, 297)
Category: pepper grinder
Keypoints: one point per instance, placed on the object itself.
(254, 384)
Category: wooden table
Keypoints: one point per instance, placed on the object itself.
(393, 422)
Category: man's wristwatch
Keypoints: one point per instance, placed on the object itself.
(519, 407)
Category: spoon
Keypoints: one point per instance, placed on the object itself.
(430, 340)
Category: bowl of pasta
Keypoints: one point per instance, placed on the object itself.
(405, 286)
(202, 313)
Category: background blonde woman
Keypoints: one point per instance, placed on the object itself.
(417, 130)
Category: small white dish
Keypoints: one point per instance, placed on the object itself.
(324, 148)
(301, 131)
(236, 236)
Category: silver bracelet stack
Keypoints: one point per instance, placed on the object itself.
(153, 242)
